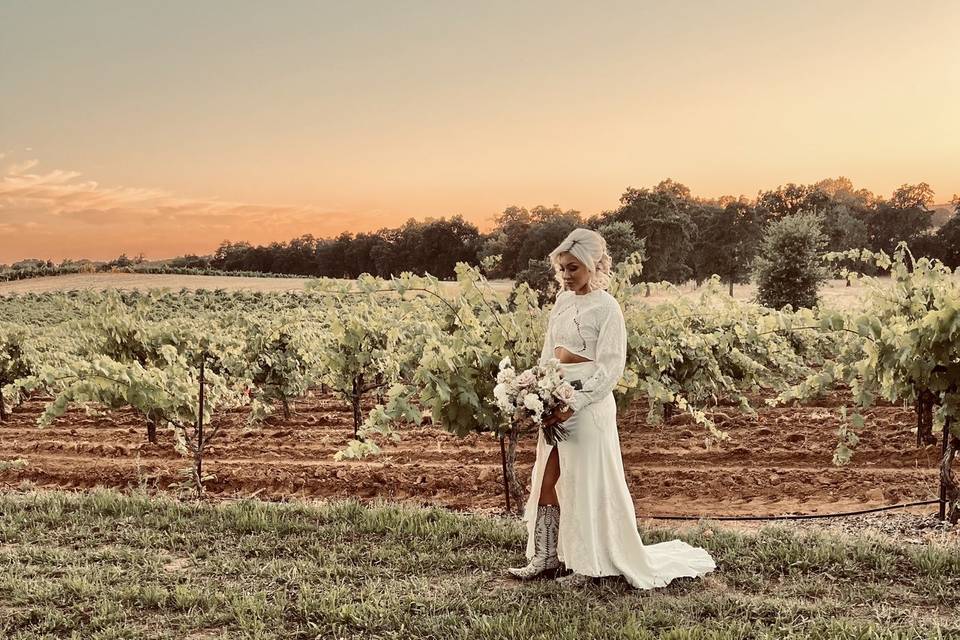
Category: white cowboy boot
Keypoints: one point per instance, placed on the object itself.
(545, 534)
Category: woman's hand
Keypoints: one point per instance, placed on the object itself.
(558, 416)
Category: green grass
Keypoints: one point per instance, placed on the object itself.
(106, 565)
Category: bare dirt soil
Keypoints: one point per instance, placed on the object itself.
(774, 463)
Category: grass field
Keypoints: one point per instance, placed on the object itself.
(104, 565)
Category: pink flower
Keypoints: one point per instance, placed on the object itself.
(526, 379)
(564, 392)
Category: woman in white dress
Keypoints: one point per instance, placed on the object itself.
(580, 512)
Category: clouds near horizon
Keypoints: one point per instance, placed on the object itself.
(56, 214)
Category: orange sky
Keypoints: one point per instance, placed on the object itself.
(168, 128)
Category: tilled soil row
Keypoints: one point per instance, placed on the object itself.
(777, 461)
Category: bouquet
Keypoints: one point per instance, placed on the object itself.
(533, 394)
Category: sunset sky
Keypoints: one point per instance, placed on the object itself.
(164, 128)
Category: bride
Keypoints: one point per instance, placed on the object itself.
(580, 511)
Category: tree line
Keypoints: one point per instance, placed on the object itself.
(683, 237)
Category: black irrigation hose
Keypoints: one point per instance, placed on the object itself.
(802, 516)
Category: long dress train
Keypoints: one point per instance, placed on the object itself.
(598, 527)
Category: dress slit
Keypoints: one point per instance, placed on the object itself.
(598, 533)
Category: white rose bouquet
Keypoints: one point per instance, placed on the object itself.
(533, 394)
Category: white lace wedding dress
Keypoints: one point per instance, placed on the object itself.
(598, 527)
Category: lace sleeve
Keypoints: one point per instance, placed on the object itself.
(611, 359)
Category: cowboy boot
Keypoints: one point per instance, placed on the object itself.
(545, 534)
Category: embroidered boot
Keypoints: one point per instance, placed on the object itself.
(545, 534)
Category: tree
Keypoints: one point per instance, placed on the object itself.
(621, 240)
(231, 256)
(122, 261)
(540, 276)
(191, 260)
(506, 240)
(444, 243)
(845, 210)
(661, 216)
(338, 265)
(948, 237)
(296, 256)
(904, 218)
(788, 267)
(841, 190)
(358, 254)
(522, 235)
(845, 228)
(726, 242)
(383, 254)
(550, 226)
(913, 196)
(791, 200)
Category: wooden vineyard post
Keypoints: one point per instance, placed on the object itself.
(949, 491)
(503, 464)
(924, 410)
(199, 452)
(355, 405)
(943, 485)
(512, 487)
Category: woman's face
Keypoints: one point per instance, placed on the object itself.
(575, 275)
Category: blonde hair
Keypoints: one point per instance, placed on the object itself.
(590, 249)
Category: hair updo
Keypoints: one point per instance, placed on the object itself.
(590, 248)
